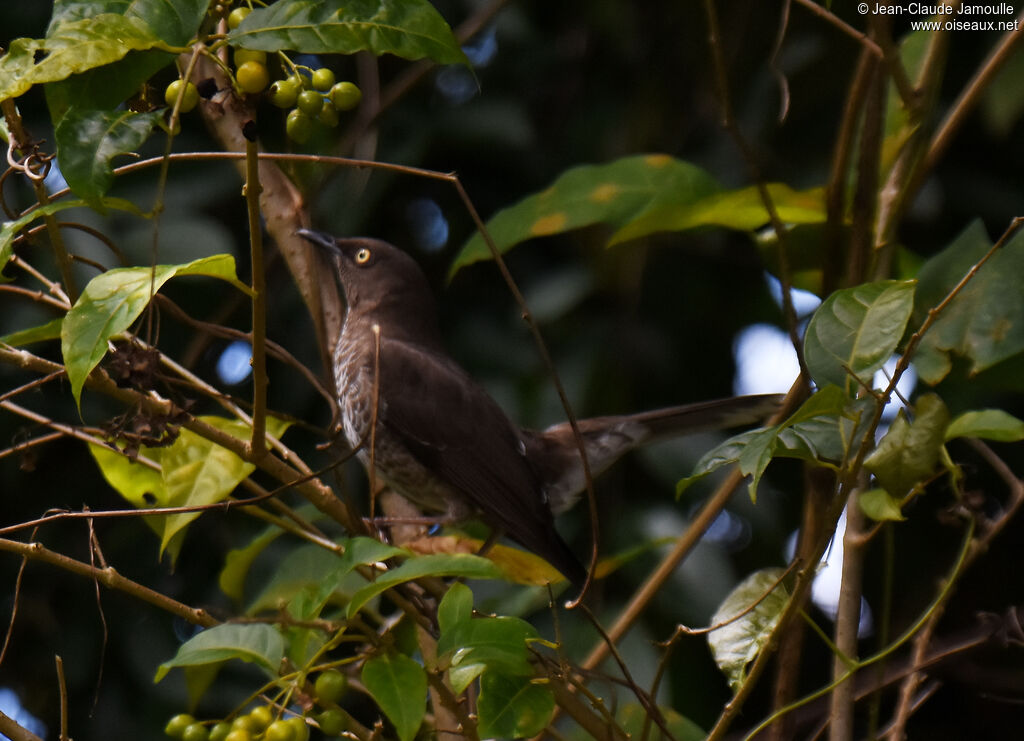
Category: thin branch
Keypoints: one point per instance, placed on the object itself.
(846, 28)
(259, 299)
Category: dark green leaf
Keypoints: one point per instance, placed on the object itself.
(512, 707)
(411, 29)
(305, 567)
(879, 505)
(439, 564)
(239, 560)
(855, 331)
(104, 88)
(456, 607)
(980, 324)
(615, 194)
(174, 21)
(738, 642)
(256, 643)
(113, 300)
(48, 331)
(989, 424)
(909, 453)
(497, 643)
(88, 140)
(10, 229)
(399, 686)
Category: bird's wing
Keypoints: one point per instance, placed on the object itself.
(454, 428)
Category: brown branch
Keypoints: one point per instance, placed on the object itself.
(15, 732)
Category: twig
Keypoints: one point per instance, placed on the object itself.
(63, 689)
(14, 731)
(842, 25)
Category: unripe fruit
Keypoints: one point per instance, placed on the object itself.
(188, 101)
(284, 92)
(328, 115)
(346, 96)
(248, 55)
(310, 102)
(330, 686)
(239, 734)
(323, 79)
(279, 730)
(220, 731)
(196, 732)
(252, 77)
(298, 126)
(262, 715)
(176, 726)
(332, 722)
(300, 731)
(237, 16)
(245, 723)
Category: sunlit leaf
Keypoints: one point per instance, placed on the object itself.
(256, 643)
(512, 707)
(856, 330)
(737, 643)
(113, 300)
(87, 142)
(399, 686)
(411, 29)
(517, 566)
(988, 424)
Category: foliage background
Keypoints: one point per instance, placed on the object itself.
(641, 325)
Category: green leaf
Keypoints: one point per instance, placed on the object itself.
(239, 560)
(399, 686)
(512, 707)
(856, 330)
(10, 229)
(113, 300)
(87, 141)
(439, 564)
(73, 47)
(615, 194)
(104, 88)
(198, 471)
(737, 643)
(815, 432)
(456, 607)
(305, 567)
(880, 505)
(197, 680)
(989, 424)
(48, 331)
(411, 29)
(633, 718)
(909, 453)
(256, 643)
(497, 643)
(741, 209)
(174, 21)
(981, 324)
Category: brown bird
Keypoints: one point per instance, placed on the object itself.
(441, 441)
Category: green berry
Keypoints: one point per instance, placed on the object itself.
(245, 723)
(330, 686)
(239, 734)
(220, 731)
(279, 730)
(328, 115)
(176, 726)
(346, 96)
(188, 101)
(248, 55)
(262, 716)
(310, 102)
(332, 722)
(300, 731)
(283, 93)
(252, 77)
(323, 79)
(298, 126)
(237, 16)
(196, 732)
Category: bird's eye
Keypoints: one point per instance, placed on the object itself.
(363, 256)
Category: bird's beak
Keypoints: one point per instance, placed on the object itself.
(321, 240)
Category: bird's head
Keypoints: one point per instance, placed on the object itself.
(379, 280)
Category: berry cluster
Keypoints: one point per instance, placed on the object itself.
(263, 722)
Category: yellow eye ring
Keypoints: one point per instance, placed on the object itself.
(363, 256)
